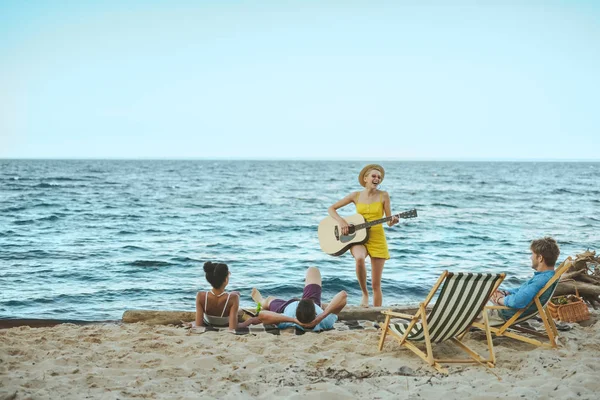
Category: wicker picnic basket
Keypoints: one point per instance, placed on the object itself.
(573, 310)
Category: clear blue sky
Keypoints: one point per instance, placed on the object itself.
(300, 79)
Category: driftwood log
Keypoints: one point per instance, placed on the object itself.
(151, 317)
(584, 276)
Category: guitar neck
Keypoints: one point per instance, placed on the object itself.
(376, 222)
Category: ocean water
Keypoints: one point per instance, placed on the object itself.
(89, 239)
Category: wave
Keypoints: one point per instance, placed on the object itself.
(331, 286)
(109, 183)
(443, 205)
(185, 260)
(203, 206)
(131, 216)
(284, 228)
(150, 263)
(42, 255)
(15, 303)
(60, 185)
(155, 231)
(13, 178)
(45, 185)
(564, 191)
(44, 205)
(33, 221)
(79, 277)
(104, 294)
(460, 222)
(49, 218)
(14, 209)
(24, 222)
(135, 248)
(484, 238)
(63, 179)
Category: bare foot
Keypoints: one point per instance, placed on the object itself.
(365, 301)
(256, 296)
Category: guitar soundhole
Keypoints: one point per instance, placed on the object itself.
(351, 235)
(347, 238)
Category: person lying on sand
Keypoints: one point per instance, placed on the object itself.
(305, 313)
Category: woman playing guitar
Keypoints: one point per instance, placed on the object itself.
(371, 203)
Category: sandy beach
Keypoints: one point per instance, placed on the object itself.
(120, 361)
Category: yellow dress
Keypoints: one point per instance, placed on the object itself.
(377, 244)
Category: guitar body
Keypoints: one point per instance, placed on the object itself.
(333, 242)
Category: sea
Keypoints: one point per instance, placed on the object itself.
(90, 239)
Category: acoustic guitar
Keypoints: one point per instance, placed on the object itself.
(334, 243)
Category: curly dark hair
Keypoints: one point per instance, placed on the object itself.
(216, 273)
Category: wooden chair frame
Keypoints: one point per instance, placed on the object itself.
(551, 335)
(421, 317)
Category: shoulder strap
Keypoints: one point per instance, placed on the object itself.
(226, 301)
(205, 301)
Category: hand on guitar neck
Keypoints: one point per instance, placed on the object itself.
(346, 229)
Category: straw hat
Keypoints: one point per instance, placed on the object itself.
(366, 169)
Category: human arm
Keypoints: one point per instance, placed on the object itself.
(199, 309)
(332, 211)
(522, 296)
(387, 208)
(273, 318)
(336, 305)
(249, 321)
(498, 297)
(234, 300)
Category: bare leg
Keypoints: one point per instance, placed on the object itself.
(256, 296)
(359, 252)
(376, 272)
(258, 299)
(313, 275)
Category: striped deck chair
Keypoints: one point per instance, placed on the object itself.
(537, 306)
(461, 300)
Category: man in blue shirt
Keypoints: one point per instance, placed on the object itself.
(305, 313)
(544, 253)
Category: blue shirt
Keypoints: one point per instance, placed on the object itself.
(521, 296)
(290, 311)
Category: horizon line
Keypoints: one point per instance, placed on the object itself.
(498, 159)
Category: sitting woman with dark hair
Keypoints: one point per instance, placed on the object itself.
(216, 307)
(305, 313)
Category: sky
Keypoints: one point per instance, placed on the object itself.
(375, 80)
